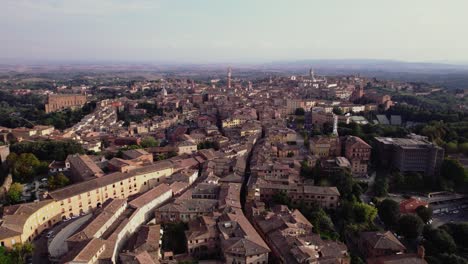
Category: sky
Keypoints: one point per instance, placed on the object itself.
(218, 31)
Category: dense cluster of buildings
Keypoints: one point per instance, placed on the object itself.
(220, 157)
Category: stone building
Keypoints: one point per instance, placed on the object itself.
(57, 102)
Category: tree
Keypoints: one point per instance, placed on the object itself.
(48, 149)
(438, 241)
(14, 193)
(25, 167)
(410, 226)
(356, 260)
(389, 212)
(281, 198)
(451, 147)
(337, 110)
(463, 148)
(299, 111)
(452, 259)
(58, 181)
(20, 251)
(425, 213)
(380, 187)
(5, 257)
(364, 213)
(322, 223)
(459, 232)
(148, 142)
(452, 170)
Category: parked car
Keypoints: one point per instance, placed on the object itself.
(50, 234)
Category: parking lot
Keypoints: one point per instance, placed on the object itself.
(452, 216)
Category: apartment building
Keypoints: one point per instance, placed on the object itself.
(410, 154)
(358, 152)
(24, 222)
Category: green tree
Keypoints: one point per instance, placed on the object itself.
(58, 181)
(452, 170)
(148, 142)
(25, 167)
(11, 159)
(281, 198)
(425, 213)
(451, 147)
(5, 257)
(452, 259)
(48, 149)
(364, 213)
(299, 111)
(438, 241)
(389, 212)
(410, 226)
(356, 260)
(459, 232)
(337, 110)
(380, 187)
(20, 251)
(463, 148)
(14, 193)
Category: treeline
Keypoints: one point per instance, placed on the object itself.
(48, 149)
(411, 112)
(433, 102)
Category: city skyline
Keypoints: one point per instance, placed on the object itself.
(239, 32)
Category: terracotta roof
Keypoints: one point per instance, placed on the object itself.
(410, 205)
(150, 195)
(379, 240)
(92, 184)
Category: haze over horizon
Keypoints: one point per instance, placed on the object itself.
(210, 31)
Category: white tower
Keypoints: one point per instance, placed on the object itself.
(335, 125)
(312, 74)
(229, 75)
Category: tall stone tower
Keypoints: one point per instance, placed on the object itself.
(312, 74)
(229, 75)
(335, 125)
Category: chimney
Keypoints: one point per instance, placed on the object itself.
(421, 252)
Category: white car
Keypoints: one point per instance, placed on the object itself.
(49, 234)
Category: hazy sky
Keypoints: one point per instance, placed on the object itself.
(234, 31)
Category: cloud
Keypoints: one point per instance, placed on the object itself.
(78, 7)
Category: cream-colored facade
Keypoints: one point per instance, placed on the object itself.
(27, 221)
(24, 225)
(232, 122)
